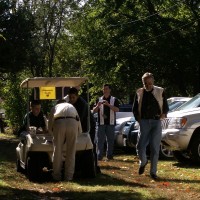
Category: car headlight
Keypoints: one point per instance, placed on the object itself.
(177, 122)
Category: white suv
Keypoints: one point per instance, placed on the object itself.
(181, 131)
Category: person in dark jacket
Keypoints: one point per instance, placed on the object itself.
(35, 118)
(82, 108)
(149, 108)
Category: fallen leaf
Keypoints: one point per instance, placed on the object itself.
(167, 184)
(56, 189)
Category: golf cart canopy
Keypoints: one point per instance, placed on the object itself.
(53, 81)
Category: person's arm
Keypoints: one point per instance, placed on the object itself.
(165, 108)
(44, 127)
(115, 108)
(135, 108)
(51, 120)
(83, 108)
(96, 107)
(25, 123)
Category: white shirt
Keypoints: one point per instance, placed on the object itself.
(62, 110)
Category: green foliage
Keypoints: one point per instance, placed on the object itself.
(16, 26)
(109, 41)
(120, 40)
(15, 102)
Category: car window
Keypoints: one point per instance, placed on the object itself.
(193, 103)
(174, 105)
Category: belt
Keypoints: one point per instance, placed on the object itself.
(76, 118)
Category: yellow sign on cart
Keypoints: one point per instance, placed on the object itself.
(47, 93)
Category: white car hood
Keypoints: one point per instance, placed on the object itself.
(123, 119)
(182, 113)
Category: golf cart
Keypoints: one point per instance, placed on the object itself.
(34, 151)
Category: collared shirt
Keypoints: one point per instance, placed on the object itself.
(37, 121)
(62, 110)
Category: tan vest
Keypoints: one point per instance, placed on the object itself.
(112, 113)
(157, 93)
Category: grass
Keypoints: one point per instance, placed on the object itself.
(119, 180)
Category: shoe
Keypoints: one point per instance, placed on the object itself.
(154, 176)
(100, 159)
(110, 158)
(142, 168)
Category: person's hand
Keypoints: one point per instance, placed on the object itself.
(99, 103)
(163, 116)
(106, 103)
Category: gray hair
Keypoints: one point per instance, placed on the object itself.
(147, 75)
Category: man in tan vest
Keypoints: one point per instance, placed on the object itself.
(149, 108)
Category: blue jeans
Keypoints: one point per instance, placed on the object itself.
(150, 133)
(105, 132)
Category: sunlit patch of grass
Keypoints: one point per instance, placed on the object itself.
(7, 135)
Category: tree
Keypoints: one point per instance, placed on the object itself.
(15, 28)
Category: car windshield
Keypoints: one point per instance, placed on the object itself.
(193, 103)
(174, 105)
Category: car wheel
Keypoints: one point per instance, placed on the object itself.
(182, 157)
(32, 168)
(85, 164)
(35, 165)
(165, 153)
(195, 150)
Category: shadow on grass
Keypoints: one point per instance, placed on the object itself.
(178, 180)
(106, 180)
(8, 149)
(187, 165)
(24, 194)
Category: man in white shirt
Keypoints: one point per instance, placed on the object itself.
(64, 125)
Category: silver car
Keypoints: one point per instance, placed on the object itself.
(181, 131)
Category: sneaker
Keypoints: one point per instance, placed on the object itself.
(154, 176)
(142, 168)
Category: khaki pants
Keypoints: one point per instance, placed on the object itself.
(65, 133)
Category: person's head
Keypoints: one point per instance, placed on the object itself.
(148, 81)
(35, 107)
(106, 90)
(73, 95)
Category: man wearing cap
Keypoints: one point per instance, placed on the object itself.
(64, 125)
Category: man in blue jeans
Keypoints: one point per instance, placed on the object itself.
(106, 107)
(149, 108)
